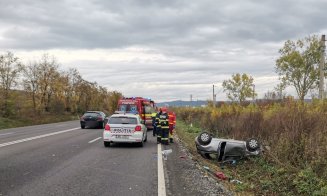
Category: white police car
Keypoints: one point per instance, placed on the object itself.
(124, 128)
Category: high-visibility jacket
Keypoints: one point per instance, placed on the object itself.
(153, 116)
(158, 120)
(163, 120)
(172, 118)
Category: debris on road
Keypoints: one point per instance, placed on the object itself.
(235, 181)
(221, 175)
(165, 153)
(218, 174)
(189, 176)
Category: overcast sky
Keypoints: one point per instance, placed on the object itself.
(163, 49)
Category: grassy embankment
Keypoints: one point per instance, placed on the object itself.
(44, 119)
(294, 162)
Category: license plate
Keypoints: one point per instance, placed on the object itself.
(122, 130)
(122, 136)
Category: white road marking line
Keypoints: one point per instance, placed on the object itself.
(7, 133)
(161, 175)
(36, 137)
(94, 140)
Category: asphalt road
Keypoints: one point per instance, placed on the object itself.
(62, 159)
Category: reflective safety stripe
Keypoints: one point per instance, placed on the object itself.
(165, 127)
(164, 138)
(159, 136)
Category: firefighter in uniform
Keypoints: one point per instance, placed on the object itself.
(158, 126)
(154, 115)
(164, 121)
(172, 124)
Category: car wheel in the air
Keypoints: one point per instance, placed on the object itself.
(204, 138)
(252, 144)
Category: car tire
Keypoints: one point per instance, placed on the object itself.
(204, 138)
(141, 144)
(146, 137)
(106, 144)
(83, 126)
(102, 125)
(252, 144)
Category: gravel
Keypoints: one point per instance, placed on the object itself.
(184, 176)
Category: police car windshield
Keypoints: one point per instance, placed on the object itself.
(123, 120)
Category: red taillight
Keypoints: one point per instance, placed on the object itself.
(138, 128)
(107, 127)
(99, 118)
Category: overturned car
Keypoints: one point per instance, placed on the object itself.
(226, 149)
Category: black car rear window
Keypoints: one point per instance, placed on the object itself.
(122, 120)
(93, 114)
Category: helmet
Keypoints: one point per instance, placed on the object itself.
(164, 110)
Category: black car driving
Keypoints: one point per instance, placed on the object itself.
(93, 119)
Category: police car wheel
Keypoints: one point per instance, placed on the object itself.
(204, 138)
(106, 144)
(146, 137)
(252, 144)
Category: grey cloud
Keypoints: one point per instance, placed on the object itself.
(108, 24)
(203, 42)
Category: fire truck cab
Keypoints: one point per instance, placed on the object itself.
(138, 105)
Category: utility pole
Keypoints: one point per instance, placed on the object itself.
(321, 67)
(213, 96)
(253, 95)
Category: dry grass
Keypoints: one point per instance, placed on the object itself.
(295, 132)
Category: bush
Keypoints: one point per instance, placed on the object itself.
(296, 133)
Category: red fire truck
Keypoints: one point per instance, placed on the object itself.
(138, 105)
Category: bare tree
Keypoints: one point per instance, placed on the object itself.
(48, 71)
(10, 67)
(31, 81)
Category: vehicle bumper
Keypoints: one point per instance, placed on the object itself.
(110, 137)
(91, 123)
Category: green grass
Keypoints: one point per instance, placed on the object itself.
(10, 123)
(6, 123)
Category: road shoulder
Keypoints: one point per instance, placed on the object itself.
(183, 175)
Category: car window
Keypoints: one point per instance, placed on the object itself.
(123, 120)
(149, 110)
(128, 108)
(93, 114)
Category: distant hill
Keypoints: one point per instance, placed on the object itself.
(181, 103)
